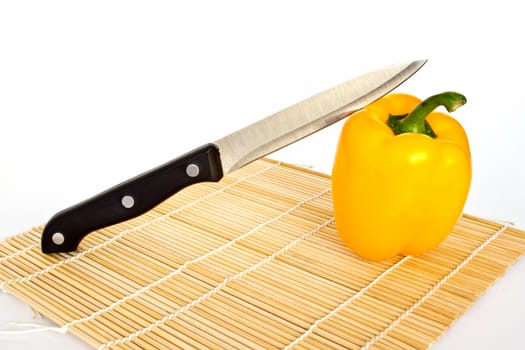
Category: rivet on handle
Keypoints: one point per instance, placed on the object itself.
(192, 170)
(127, 201)
(58, 238)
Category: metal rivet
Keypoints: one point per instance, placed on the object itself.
(58, 238)
(192, 170)
(127, 201)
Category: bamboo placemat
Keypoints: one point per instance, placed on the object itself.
(253, 261)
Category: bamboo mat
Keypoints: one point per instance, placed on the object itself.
(254, 262)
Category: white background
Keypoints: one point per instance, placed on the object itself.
(92, 93)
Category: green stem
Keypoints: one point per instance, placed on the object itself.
(415, 121)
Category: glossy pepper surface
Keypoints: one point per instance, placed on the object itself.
(401, 175)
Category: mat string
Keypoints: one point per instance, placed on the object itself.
(64, 328)
(36, 328)
(218, 288)
(77, 256)
(407, 312)
(368, 344)
(345, 303)
(31, 329)
(18, 252)
(196, 260)
(434, 289)
(23, 250)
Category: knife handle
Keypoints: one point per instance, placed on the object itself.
(66, 229)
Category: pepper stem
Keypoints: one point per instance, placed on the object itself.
(415, 121)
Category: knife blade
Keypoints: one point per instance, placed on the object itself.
(210, 162)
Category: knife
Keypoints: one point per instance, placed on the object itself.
(210, 162)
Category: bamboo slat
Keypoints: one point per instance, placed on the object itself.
(253, 262)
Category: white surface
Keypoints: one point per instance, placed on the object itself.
(92, 93)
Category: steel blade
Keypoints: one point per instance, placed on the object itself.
(313, 114)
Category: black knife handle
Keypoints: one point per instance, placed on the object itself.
(67, 228)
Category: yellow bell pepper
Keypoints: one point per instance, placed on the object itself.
(401, 176)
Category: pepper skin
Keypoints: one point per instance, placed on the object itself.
(399, 184)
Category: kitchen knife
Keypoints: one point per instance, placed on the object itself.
(67, 228)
